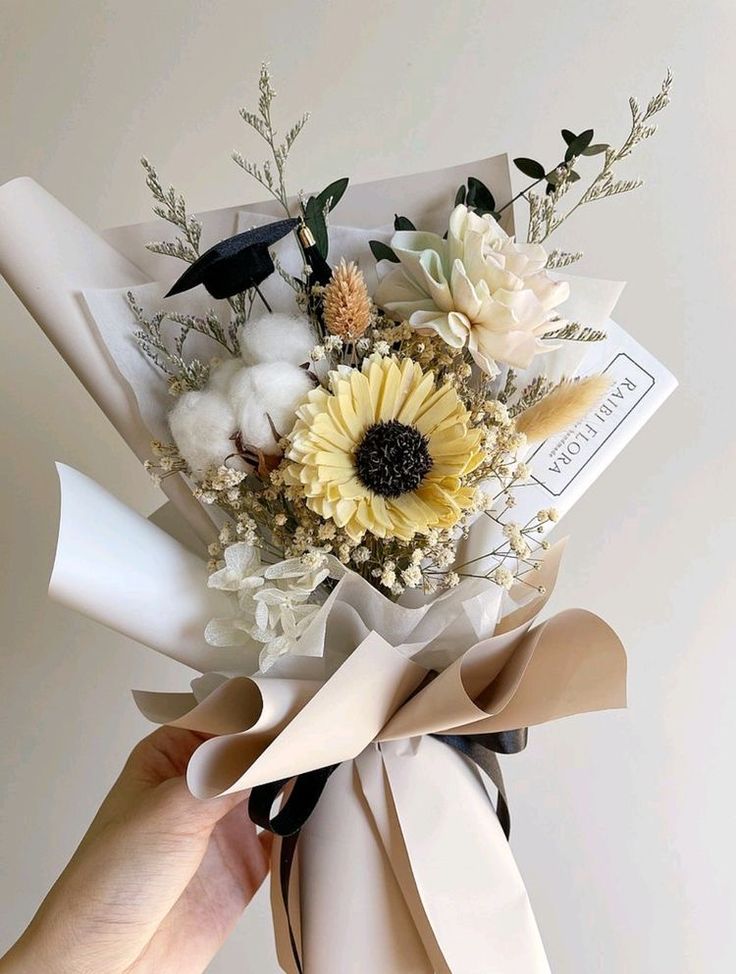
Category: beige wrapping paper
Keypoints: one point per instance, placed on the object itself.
(414, 820)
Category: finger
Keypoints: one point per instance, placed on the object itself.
(229, 875)
(162, 755)
(266, 840)
(151, 792)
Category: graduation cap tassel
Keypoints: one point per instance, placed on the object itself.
(319, 270)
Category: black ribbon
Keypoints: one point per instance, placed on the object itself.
(482, 749)
(306, 791)
(287, 823)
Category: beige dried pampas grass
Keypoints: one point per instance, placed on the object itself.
(346, 303)
(567, 403)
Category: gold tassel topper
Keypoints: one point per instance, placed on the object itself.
(346, 304)
(567, 403)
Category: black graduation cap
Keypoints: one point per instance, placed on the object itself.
(236, 264)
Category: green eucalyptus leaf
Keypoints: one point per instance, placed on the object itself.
(403, 223)
(573, 176)
(333, 193)
(460, 195)
(382, 251)
(479, 196)
(530, 168)
(579, 144)
(595, 150)
(314, 217)
(568, 136)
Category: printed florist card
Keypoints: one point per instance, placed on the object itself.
(563, 467)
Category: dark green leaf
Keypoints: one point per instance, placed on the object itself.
(315, 219)
(568, 136)
(479, 196)
(403, 223)
(382, 251)
(530, 168)
(579, 144)
(550, 188)
(333, 193)
(460, 196)
(594, 150)
(573, 176)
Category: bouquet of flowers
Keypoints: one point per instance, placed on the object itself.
(371, 427)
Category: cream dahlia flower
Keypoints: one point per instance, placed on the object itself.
(477, 288)
(384, 450)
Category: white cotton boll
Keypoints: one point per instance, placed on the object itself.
(276, 338)
(221, 374)
(202, 424)
(272, 389)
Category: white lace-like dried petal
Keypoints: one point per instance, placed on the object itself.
(226, 632)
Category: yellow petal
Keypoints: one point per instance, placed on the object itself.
(389, 393)
(415, 400)
(437, 409)
(344, 511)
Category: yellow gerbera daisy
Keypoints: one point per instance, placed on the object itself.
(384, 450)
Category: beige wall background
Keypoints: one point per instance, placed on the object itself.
(624, 823)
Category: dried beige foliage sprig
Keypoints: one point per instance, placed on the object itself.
(567, 403)
(346, 304)
(544, 213)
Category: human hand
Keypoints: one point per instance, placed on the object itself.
(158, 881)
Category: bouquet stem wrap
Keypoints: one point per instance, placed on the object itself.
(403, 866)
(413, 820)
(302, 801)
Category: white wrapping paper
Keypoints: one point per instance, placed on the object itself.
(49, 256)
(116, 567)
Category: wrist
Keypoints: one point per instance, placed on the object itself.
(23, 956)
(34, 952)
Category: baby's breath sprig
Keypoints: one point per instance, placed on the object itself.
(515, 558)
(166, 461)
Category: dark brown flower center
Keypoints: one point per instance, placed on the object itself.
(392, 458)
